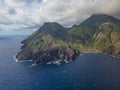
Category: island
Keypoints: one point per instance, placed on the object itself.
(53, 42)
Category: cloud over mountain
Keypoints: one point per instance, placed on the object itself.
(30, 14)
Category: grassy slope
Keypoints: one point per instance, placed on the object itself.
(107, 34)
(100, 33)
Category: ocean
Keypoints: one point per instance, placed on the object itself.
(90, 71)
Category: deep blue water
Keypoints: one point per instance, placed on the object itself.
(91, 71)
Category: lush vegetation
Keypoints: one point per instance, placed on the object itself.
(53, 41)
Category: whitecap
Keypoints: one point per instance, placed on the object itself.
(57, 62)
(48, 63)
(81, 54)
(66, 61)
(33, 65)
(14, 57)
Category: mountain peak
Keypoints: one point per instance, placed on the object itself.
(51, 23)
(54, 29)
(98, 15)
(97, 19)
(104, 16)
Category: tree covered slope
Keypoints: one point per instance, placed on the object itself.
(55, 42)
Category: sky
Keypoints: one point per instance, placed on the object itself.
(31, 14)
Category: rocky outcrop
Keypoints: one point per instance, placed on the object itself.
(112, 50)
(52, 54)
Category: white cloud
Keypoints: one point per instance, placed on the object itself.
(30, 14)
(68, 12)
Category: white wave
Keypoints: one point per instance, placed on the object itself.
(58, 62)
(81, 54)
(66, 61)
(14, 57)
(114, 56)
(34, 65)
(49, 63)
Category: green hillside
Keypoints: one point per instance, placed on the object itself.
(54, 42)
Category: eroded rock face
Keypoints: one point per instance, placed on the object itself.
(112, 50)
(54, 54)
